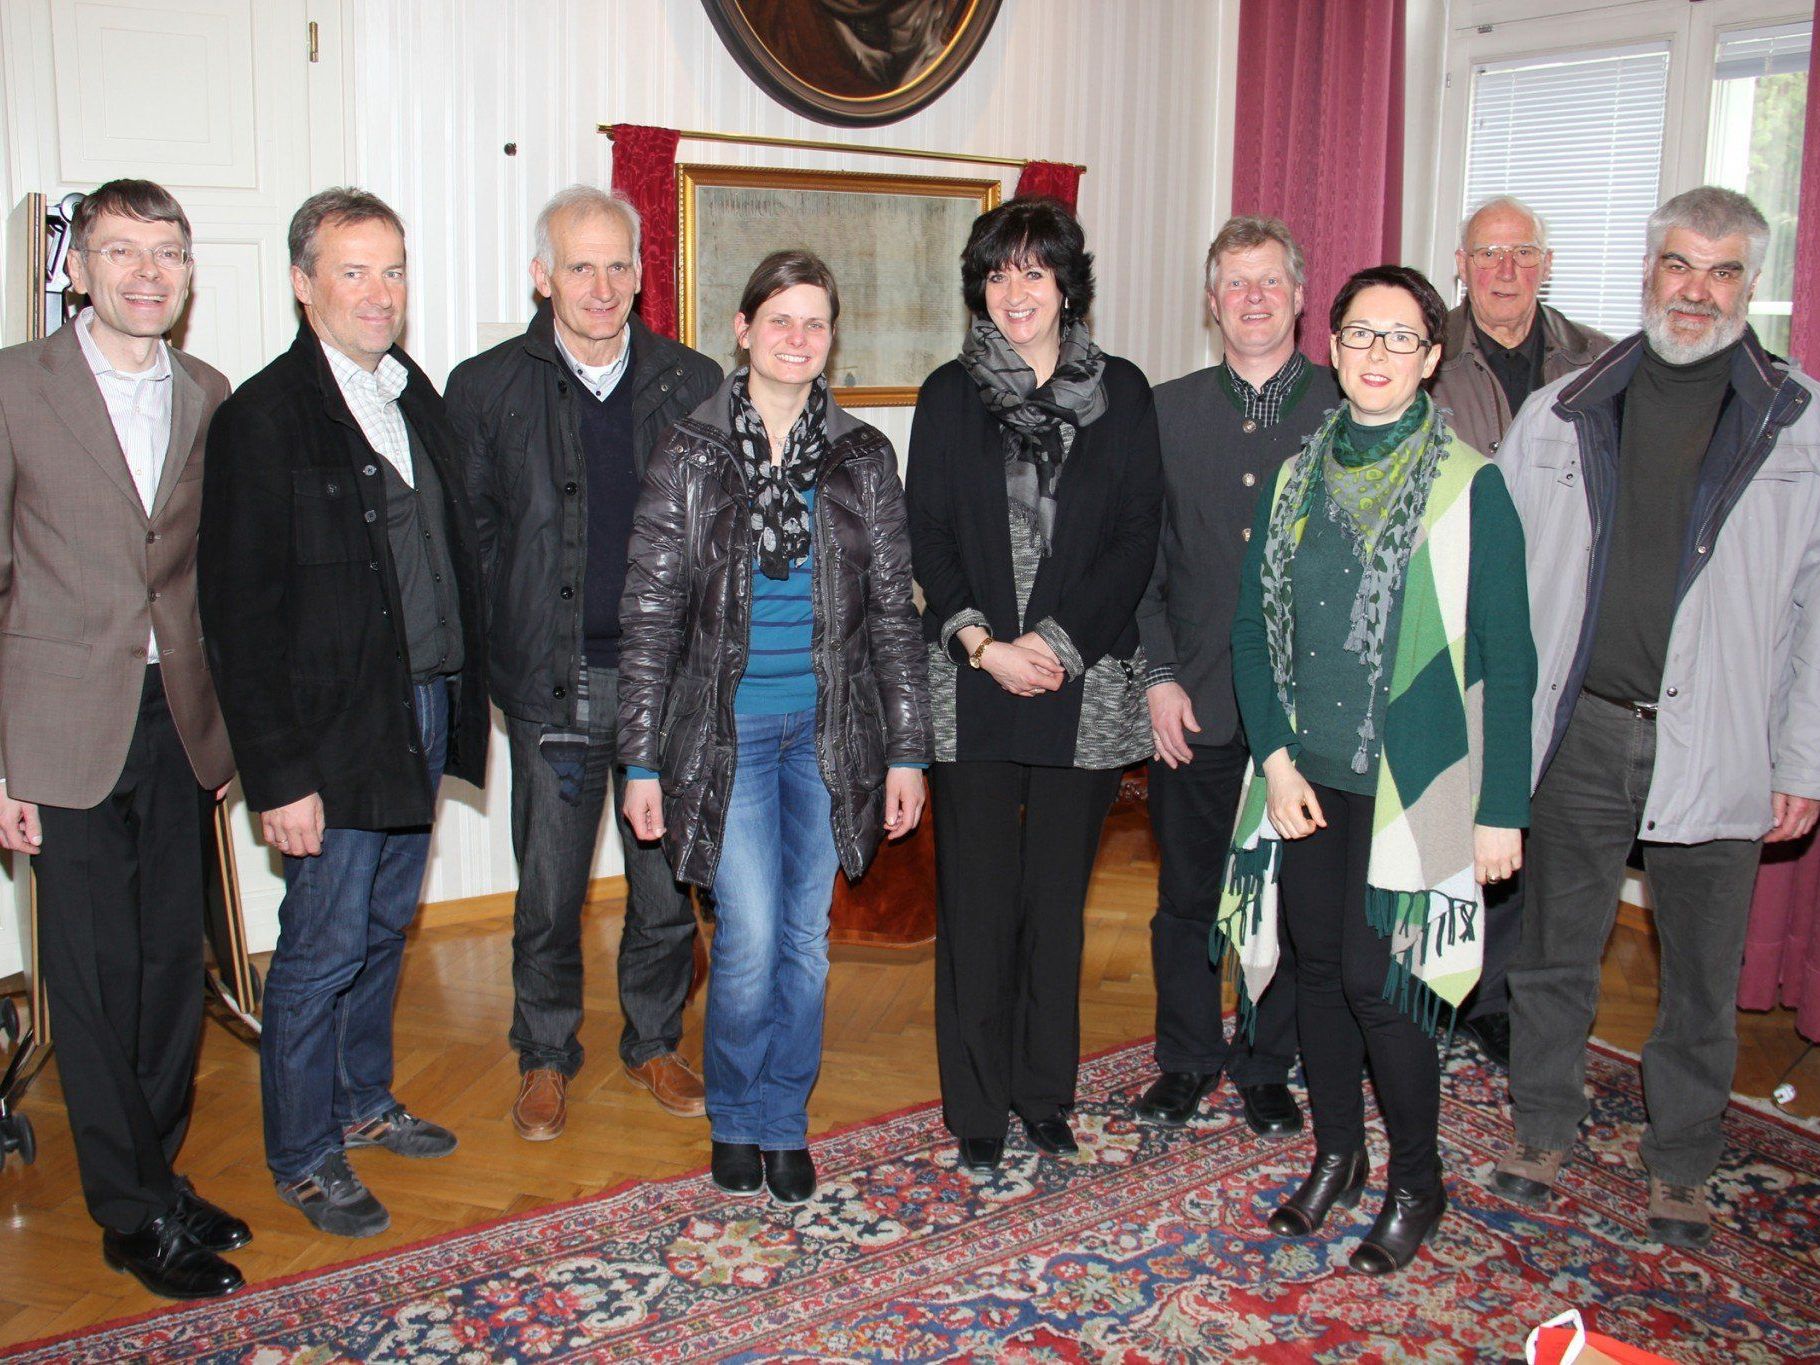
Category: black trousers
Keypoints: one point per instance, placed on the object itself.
(1192, 808)
(1341, 1012)
(120, 929)
(1503, 934)
(1014, 849)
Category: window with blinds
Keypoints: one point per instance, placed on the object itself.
(1578, 137)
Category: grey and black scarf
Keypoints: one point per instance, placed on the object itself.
(1038, 424)
(780, 517)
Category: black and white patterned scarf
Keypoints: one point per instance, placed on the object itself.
(780, 517)
(1038, 424)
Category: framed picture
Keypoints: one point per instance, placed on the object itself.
(853, 62)
(893, 242)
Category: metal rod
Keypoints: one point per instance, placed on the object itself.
(865, 148)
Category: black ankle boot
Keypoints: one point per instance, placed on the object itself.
(1336, 1178)
(1408, 1219)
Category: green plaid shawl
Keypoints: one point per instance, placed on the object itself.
(1420, 889)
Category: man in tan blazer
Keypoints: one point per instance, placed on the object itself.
(111, 745)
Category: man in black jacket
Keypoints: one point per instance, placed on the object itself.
(339, 583)
(1225, 430)
(556, 427)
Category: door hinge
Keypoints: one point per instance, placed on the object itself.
(315, 45)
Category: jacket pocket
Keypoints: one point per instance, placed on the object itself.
(324, 518)
(43, 654)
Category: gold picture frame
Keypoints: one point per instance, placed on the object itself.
(893, 242)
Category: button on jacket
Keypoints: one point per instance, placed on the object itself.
(513, 408)
(301, 606)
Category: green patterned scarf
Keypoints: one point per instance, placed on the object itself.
(1420, 889)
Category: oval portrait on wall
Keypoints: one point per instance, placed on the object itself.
(853, 62)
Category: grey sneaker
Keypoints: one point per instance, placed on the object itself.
(398, 1130)
(332, 1198)
(1528, 1174)
(1679, 1215)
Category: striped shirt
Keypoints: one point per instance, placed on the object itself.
(780, 675)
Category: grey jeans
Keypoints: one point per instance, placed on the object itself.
(1583, 821)
(554, 842)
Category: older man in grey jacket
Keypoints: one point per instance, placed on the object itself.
(1678, 687)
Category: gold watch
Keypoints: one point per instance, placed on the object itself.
(973, 659)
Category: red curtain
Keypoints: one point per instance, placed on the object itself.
(1052, 178)
(1782, 947)
(644, 168)
(1319, 141)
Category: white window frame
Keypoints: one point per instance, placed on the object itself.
(1483, 31)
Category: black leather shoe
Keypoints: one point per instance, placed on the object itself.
(1174, 1097)
(1336, 1180)
(735, 1167)
(1052, 1135)
(1408, 1219)
(981, 1155)
(168, 1261)
(1271, 1110)
(790, 1174)
(214, 1228)
(1492, 1033)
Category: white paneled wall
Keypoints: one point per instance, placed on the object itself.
(1127, 89)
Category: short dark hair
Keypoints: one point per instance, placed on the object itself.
(1029, 228)
(783, 270)
(1412, 282)
(143, 200)
(334, 207)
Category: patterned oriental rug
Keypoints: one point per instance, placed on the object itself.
(1147, 1247)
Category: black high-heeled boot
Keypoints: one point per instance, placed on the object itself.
(1337, 1178)
(1408, 1219)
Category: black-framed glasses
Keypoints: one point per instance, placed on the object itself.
(1398, 340)
(1527, 256)
(125, 256)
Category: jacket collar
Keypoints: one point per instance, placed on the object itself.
(307, 351)
(1756, 377)
(716, 413)
(1459, 338)
(653, 354)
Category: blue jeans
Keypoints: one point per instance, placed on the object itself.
(770, 958)
(325, 1051)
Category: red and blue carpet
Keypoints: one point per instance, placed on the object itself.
(1149, 1246)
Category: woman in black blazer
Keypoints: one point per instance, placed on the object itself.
(1035, 492)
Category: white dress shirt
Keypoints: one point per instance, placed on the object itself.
(600, 379)
(372, 396)
(139, 406)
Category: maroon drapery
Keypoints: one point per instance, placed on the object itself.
(1319, 141)
(1782, 947)
(644, 169)
(1053, 178)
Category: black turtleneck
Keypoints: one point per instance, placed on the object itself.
(1669, 415)
(1518, 369)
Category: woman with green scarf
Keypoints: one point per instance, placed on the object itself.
(1383, 662)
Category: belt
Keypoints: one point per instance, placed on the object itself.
(1646, 710)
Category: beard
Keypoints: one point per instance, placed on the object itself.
(1727, 328)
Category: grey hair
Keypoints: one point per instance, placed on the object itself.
(1712, 212)
(1245, 231)
(1515, 205)
(335, 207)
(584, 199)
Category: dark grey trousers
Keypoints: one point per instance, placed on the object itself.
(1585, 816)
(554, 843)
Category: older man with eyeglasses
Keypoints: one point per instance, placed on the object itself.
(1499, 346)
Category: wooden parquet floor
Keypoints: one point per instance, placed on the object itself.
(453, 1065)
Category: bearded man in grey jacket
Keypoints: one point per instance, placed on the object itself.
(1678, 687)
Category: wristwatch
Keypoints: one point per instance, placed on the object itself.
(973, 659)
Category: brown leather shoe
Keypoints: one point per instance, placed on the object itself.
(542, 1106)
(677, 1088)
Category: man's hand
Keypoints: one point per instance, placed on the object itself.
(1171, 713)
(644, 807)
(19, 831)
(1294, 811)
(904, 797)
(1795, 816)
(1496, 853)
(295, 830)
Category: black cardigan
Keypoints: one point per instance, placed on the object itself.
(1109, 510)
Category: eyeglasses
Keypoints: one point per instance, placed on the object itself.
(1528, 256)
(124, 255)
(1397, 341)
